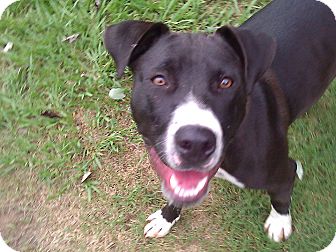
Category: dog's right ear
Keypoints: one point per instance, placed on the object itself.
(256, 51)
(127, 40)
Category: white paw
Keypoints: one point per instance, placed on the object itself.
(158, 226)
(277, 226)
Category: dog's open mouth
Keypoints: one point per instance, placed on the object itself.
(182, 188)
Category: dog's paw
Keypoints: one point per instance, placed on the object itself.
(158, 226)
(277, 226)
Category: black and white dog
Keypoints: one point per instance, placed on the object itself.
(220, 104)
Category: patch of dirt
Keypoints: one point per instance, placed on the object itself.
(129, 166)
(19, 205)
(34, 218)
(82, 120)
(30, 221)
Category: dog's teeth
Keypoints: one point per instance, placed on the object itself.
(189, 193)
(186, 193)
(173, 181)
(201, 184)
(193, 192)
(177, 190)
(181, 193)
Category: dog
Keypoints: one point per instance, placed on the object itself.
(220, 104)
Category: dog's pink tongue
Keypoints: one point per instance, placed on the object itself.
(182, 179)
(187, 179)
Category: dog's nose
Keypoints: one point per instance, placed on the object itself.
(195, 144)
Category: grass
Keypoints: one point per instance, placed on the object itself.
(43, 205)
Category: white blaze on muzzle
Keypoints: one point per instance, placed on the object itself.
(193, 113)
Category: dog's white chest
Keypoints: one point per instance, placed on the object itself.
(221, 173)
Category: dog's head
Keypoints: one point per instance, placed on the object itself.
(189, 96)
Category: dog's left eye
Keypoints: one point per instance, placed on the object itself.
(225, 83)
(159, 80)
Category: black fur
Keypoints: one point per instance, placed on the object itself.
(281, 61)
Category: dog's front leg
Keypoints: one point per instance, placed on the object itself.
(278, 225)
(161, 221)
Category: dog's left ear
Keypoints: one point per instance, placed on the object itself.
(127, 40)
(255, 50)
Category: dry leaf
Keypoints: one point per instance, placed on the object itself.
(117, 93)
(51, 114)
(84, 75)
(85, 176)
(299, 169)
(72, 38)
(8, 47)
(97, 4)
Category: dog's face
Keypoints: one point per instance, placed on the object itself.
(189, 96)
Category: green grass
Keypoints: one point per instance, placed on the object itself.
(42, 159)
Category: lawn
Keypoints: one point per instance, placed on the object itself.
(58, 122)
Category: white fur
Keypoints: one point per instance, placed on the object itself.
(278, 226)
(331, 4)
(192, 112)
(158, 226)
(221, 173)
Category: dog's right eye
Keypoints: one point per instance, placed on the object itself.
(159, 80)
(225, 83)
